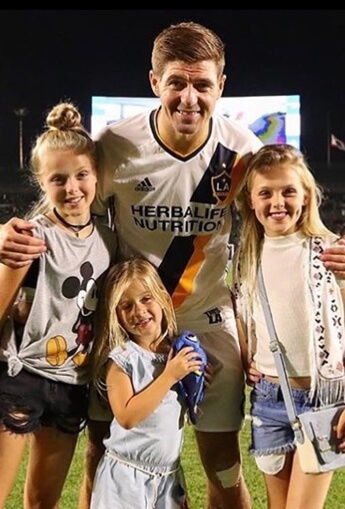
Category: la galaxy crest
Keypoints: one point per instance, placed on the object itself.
(221, 186)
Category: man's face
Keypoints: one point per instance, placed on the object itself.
(188, 95)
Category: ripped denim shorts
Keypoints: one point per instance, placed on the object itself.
(271, 431)
(29, 401)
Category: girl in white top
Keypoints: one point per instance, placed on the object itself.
(283, 232)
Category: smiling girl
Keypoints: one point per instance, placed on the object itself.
(47, 335)
(141, 465)
(283, 233)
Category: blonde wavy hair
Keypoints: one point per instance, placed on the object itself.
(245, 263)
(109, 332)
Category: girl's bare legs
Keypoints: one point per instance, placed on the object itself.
(94, 449)
(51, 453)
(11, 452)
(292, 489)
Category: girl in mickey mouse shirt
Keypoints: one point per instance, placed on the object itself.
(46, 343)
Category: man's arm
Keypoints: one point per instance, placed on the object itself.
(17, 245)
(334, 258)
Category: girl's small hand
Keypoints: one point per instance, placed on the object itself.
(184, 362)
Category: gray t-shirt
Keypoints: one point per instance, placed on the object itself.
(58, 335)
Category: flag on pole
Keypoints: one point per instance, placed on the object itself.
(336, 143)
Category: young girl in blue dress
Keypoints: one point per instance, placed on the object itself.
(141, 466)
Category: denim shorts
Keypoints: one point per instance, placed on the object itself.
(29, 401)
(271, 431)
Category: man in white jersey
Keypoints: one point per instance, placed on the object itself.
(172, 175)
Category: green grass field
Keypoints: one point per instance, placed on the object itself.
(194, 475)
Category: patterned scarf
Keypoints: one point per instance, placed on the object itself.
(328, 376)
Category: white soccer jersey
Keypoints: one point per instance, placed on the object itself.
(175, 210)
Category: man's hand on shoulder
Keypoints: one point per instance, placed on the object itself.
(334, 258)
(18, 247)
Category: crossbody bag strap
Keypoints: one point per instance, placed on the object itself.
(279, 360)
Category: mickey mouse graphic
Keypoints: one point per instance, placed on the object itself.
(86, 292)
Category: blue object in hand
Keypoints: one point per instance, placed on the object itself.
(192, 386)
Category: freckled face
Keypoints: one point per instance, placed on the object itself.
(277, 197)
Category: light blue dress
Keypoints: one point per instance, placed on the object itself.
(141, 466)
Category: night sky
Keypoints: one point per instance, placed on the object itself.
(49, 55)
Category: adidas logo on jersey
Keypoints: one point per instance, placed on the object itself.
(145, 185)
